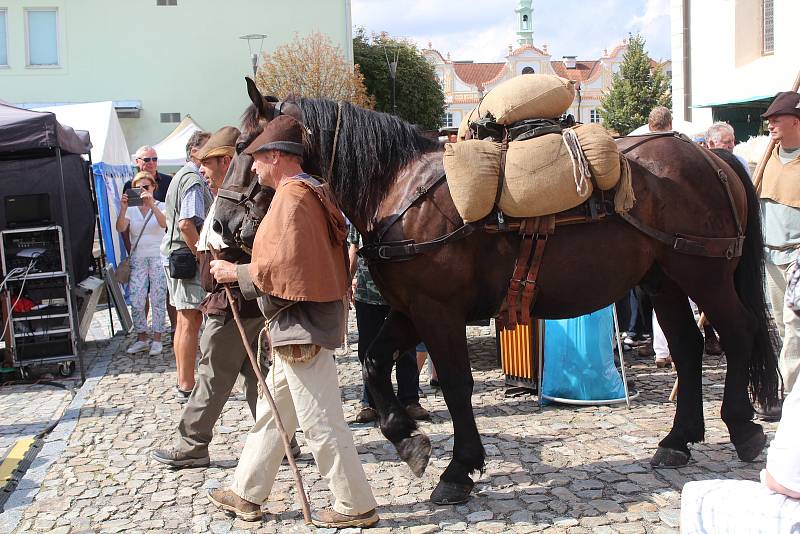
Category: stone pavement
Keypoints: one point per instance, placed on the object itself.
(558, 469)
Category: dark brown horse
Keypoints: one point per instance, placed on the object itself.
(379, 164)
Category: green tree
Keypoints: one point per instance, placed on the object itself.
(419, 96)
(634, 91)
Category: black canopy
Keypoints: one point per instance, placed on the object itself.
(22, 130)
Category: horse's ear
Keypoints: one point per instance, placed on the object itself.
(255, 95)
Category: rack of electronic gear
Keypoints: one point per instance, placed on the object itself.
(39, 326)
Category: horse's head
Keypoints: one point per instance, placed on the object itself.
(266, 108)
(241, 202)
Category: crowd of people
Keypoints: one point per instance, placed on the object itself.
(170, 244)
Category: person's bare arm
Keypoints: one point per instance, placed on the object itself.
(775, 486)
(189, 234)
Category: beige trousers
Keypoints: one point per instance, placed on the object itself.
(787, 321)
(308, 394)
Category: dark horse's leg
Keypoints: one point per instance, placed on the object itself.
(396, 335)
(686, 347)
(444, 337)
(737, 331)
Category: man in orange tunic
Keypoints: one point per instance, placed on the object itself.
(299, 274)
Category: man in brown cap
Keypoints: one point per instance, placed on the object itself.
(299, 274)
(216, 155)
(224, 356)
(780, 209)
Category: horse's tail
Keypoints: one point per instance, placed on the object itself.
(749, 281)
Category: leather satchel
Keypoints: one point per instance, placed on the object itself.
(123, 272)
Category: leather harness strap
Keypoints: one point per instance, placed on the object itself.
(419, 192)
(521, 292)
(714, 247)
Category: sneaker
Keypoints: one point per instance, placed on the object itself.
(227, 500)
(155, 348)
(332, 519)
(366, 415)
(417, 412)
(138, 346)
(182, 396)
(178, 459)
(769, 414)
(663, 362)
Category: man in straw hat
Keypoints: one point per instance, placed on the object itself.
(299, 273)
(780, 204)
(223, 354)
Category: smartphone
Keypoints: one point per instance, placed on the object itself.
(135, 196)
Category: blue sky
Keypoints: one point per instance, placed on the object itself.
(481, 30)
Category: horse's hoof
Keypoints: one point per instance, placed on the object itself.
(752, 447)
(415, 451)
(451, 492)
(670, 458)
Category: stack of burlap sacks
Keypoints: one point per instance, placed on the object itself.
(542, 175)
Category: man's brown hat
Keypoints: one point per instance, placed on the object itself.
(283, 133)
(785, 103)
(221, 143)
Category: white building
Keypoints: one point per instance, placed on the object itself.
(464, 82)
(730, 69)
(157, 60)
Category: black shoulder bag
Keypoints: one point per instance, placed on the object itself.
(182, 262)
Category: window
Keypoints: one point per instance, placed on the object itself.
(166, 2)
(447, 120)
(528, 70)
(170, 117)
(594, 116)
(42, 28)
(524, 22)
(3, 38)
(767, 26)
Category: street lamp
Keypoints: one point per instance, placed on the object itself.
(392, 73)
(578, 94)
(251, 38)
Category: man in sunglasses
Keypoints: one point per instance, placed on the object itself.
(146, 159)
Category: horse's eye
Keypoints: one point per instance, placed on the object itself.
(240, 147)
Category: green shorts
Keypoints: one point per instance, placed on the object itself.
(187, 293)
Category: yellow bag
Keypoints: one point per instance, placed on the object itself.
(529, 96)
(539, 178)
(473, 169)
(601, 152)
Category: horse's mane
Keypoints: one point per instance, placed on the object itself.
(371, 149)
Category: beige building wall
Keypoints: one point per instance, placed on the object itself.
(727, 61)
(181, 59)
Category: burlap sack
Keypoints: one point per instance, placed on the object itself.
(539, 178)
(531, 96)
(473, 169)
(601, 151)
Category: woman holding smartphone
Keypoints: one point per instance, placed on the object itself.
(146, 222)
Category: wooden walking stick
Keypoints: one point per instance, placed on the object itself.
(758, 175)
(263, 390)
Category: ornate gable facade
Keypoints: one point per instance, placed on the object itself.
(464, 82)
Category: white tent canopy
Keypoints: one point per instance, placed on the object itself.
(685, 127)
(100, 120)
(172, 149)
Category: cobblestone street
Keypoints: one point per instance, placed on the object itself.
(557, 469)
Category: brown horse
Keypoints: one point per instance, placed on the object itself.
(385, 175)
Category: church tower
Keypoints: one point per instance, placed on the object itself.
(524, 22)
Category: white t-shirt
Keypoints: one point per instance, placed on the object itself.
(150, 244)
(783, 457)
